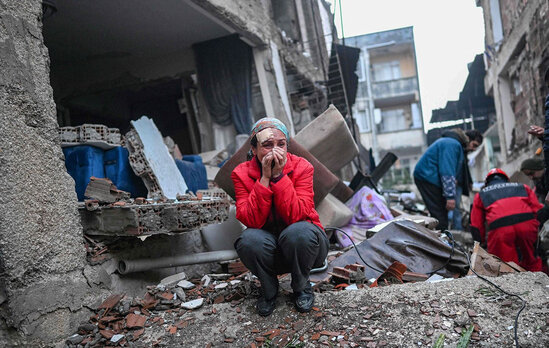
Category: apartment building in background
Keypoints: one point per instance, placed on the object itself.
(388, 103)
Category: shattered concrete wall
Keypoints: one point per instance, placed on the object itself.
(515, 73)
(42, 284)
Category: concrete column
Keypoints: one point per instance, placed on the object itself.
(272, 83)
(42, 285)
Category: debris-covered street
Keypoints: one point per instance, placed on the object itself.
(397, 316)
(212, 173)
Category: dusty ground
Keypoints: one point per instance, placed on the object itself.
(409, 315)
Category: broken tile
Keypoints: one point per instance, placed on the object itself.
(173, 279)
(135, 320)
(221, 286)
(172, 329)
(116, 338)
(111, 301)
(185, 284)
(167, 295)
(193, 304)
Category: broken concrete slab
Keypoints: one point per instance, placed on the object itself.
(173, 279)
(151, 219)
(151, 160)
(185, 284)
(194, 304)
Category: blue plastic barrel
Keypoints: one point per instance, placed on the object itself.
(119, 171)
(194, 172)
(82, 163)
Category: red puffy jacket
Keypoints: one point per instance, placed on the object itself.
(500, 205)
(283, 203)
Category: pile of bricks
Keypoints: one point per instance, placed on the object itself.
(120, 320)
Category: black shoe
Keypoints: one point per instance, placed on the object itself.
(265, 307)
(304, 300)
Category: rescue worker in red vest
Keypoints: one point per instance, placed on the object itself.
(504, 217)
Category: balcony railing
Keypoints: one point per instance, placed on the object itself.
(394, 88)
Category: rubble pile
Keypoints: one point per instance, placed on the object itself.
(112, 212)
(169, 305)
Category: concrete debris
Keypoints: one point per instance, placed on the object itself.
(102, 190)
(393, 275)
(173, 279)
(116, 338)
(194, 304)
(150, 159)
(185, 284)
(206, 280)
(96, 252)
(353, 273)
(152, 218)
(486, 264)
(90, 134)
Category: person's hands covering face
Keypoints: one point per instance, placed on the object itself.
(279, 158)
(267, 164)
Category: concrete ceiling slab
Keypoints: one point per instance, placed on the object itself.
(88, 30)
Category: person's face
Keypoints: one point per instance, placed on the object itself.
(276, 139)
(472, 145)
(533, 174)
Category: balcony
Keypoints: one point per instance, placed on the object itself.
(395, 91)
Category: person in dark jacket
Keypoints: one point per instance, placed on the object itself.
(509, 211)
(275, 200)
(441, 168)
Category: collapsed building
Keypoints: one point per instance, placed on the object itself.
(516, 57)
(202, 70)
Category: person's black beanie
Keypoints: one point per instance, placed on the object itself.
(532, 164)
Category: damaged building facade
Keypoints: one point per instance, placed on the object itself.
(203, 70)
(516, 56)
(388, 103)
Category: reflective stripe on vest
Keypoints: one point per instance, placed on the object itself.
(511, 220)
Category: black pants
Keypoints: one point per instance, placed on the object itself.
(299, 248)
(435, 202)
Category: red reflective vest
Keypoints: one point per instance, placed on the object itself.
(502, 204)
(273, 208)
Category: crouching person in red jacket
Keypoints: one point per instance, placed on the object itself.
(509, 211)
(274, 199)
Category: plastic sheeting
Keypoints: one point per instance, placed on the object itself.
(420, 249)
